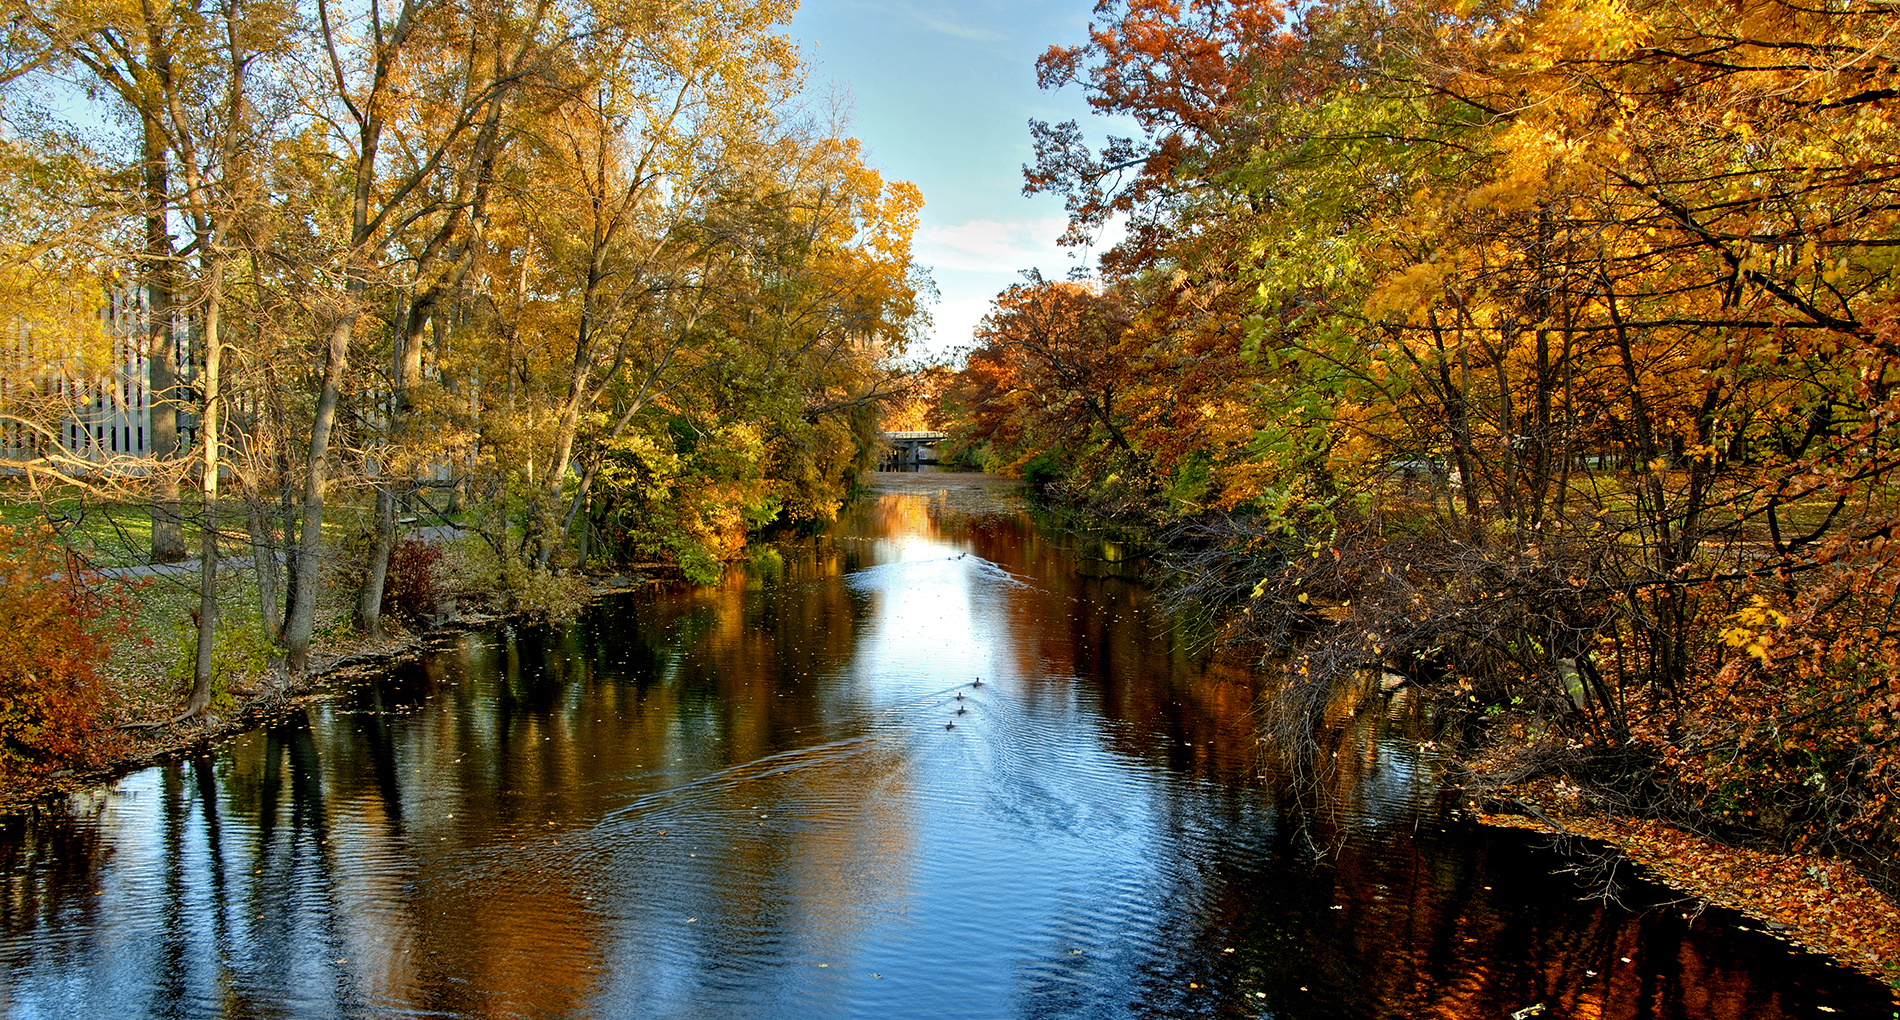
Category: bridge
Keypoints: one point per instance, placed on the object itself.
(906, 451)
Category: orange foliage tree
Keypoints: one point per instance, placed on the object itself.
(51, 642)
(1053, 373)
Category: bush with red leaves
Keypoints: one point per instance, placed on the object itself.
(52, 710)
(413, 586)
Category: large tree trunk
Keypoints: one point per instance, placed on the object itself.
(168, 533)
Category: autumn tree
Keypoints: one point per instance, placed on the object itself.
(372, 82)
(589, 259)
(54, 282)
(803, 299)
(1609, 279)
(1051, 375)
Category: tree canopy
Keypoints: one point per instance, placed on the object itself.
(1545, 350)
(596, 276)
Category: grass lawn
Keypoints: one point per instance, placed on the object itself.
(117, 534)
(107, 535)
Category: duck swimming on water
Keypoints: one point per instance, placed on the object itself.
(950, 725)
(961, 710)
(978, 682)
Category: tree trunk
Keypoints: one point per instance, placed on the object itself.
(406, 370)
(369, 598)
(168, 533)
(287, 520)
(301, 621)
(208, 546)
(269, 571)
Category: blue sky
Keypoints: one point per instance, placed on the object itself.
(941, 96)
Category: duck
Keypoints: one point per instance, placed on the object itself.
(978, 682)
(950, 725)
(961, 710)
(959, 695)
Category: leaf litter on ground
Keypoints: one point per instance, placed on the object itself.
(1821, 904)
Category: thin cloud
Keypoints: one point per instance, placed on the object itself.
(990, 245)
(950, 28)
(975, 260)
(956, 319)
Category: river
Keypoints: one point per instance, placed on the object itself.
(939, 762)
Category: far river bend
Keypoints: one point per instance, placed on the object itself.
(784, 797)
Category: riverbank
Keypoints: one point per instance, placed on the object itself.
(142, 680)
(1463, 628)
(1821, 904)
(755, 780)
(141, 745)
(144, 691)
(143, 683)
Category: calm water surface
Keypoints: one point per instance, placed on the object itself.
(786, 798)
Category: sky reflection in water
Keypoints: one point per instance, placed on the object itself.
(744, 802)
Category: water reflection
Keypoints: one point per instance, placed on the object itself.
(745, 802)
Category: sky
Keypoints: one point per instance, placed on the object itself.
(941, 95)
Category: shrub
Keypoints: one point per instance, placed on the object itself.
(51, 642)
(1044, 469)
(542, 596)
(415, 583)
(468, 566)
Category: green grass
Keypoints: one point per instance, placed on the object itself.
(105, 534)
(146, 676)
(119, 534)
